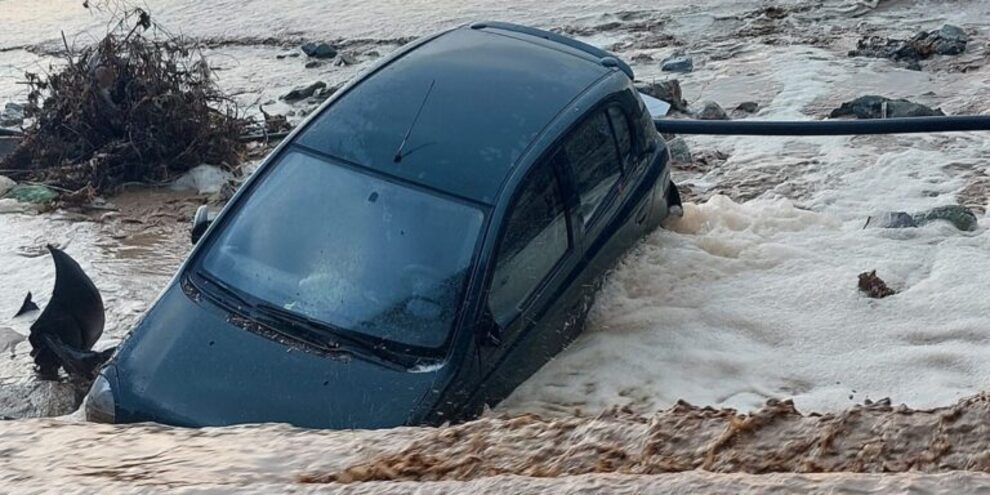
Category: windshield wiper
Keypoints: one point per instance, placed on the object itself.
(225, 289)
(334, 337)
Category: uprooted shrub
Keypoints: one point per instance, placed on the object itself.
(132, 108)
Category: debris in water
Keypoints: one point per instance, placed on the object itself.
(74, 315)
(204, 179)
(677, 63)
(891, 220)
(12, 115)
(949, 40)
(129, 108)
(711, 111)
(27, 306)
(303, 92)
(31, 193)
(873, 286)
(879, 107)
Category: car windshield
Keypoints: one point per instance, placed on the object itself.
(349, 249)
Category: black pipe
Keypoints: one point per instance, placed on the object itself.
(825, 127)
(9, 132)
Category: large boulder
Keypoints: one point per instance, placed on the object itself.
(668, 91)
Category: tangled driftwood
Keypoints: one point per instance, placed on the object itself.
(130, 108)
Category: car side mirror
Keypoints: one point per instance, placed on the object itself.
(489, 331)
(201, 221)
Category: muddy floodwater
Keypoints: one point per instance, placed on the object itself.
(729, 352)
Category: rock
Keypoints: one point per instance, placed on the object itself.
(871, 107)
(641, 58)
(891, 220)
(12, 115)
(31, 193)
(873, 286)
(6, 184)
(677, 64)
(748, 107)
(9, 338)
(319, 50)
(325, 93)
(668, 91)
(679, 151)
(711, 111)
(948, 40)
(287, 55)
(312, 64)
(961, 217)
(204, 179)
(40, 399)
(304, 92)
(344, 60)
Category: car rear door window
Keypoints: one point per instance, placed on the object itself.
(620, 124)
(535, 238)
(594, 162)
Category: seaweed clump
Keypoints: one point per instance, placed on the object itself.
(135, 107)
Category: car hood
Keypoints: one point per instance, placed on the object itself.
(186, 364)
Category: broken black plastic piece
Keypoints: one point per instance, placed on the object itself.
(27, 306)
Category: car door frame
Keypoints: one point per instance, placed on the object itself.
(573, 262)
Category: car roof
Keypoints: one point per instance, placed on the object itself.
(493, 92)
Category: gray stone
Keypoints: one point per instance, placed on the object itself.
(30, 398)
(711, 111)
(872, 107)
(951, 32)
(677, 64)
(304, 92)
(312, 64)
(949, 40)
(679, 151)
(668, 91)
(748, 107)
(6, 184)
(961, 217)
(319, 50)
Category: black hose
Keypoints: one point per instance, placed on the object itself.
(825, 127)
(9, 132)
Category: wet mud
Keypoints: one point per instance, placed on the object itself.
(869, 438)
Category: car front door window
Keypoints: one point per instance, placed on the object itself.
(535, 238)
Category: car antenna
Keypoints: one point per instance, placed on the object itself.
(398, 152)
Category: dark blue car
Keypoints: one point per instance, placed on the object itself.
(424, 243)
